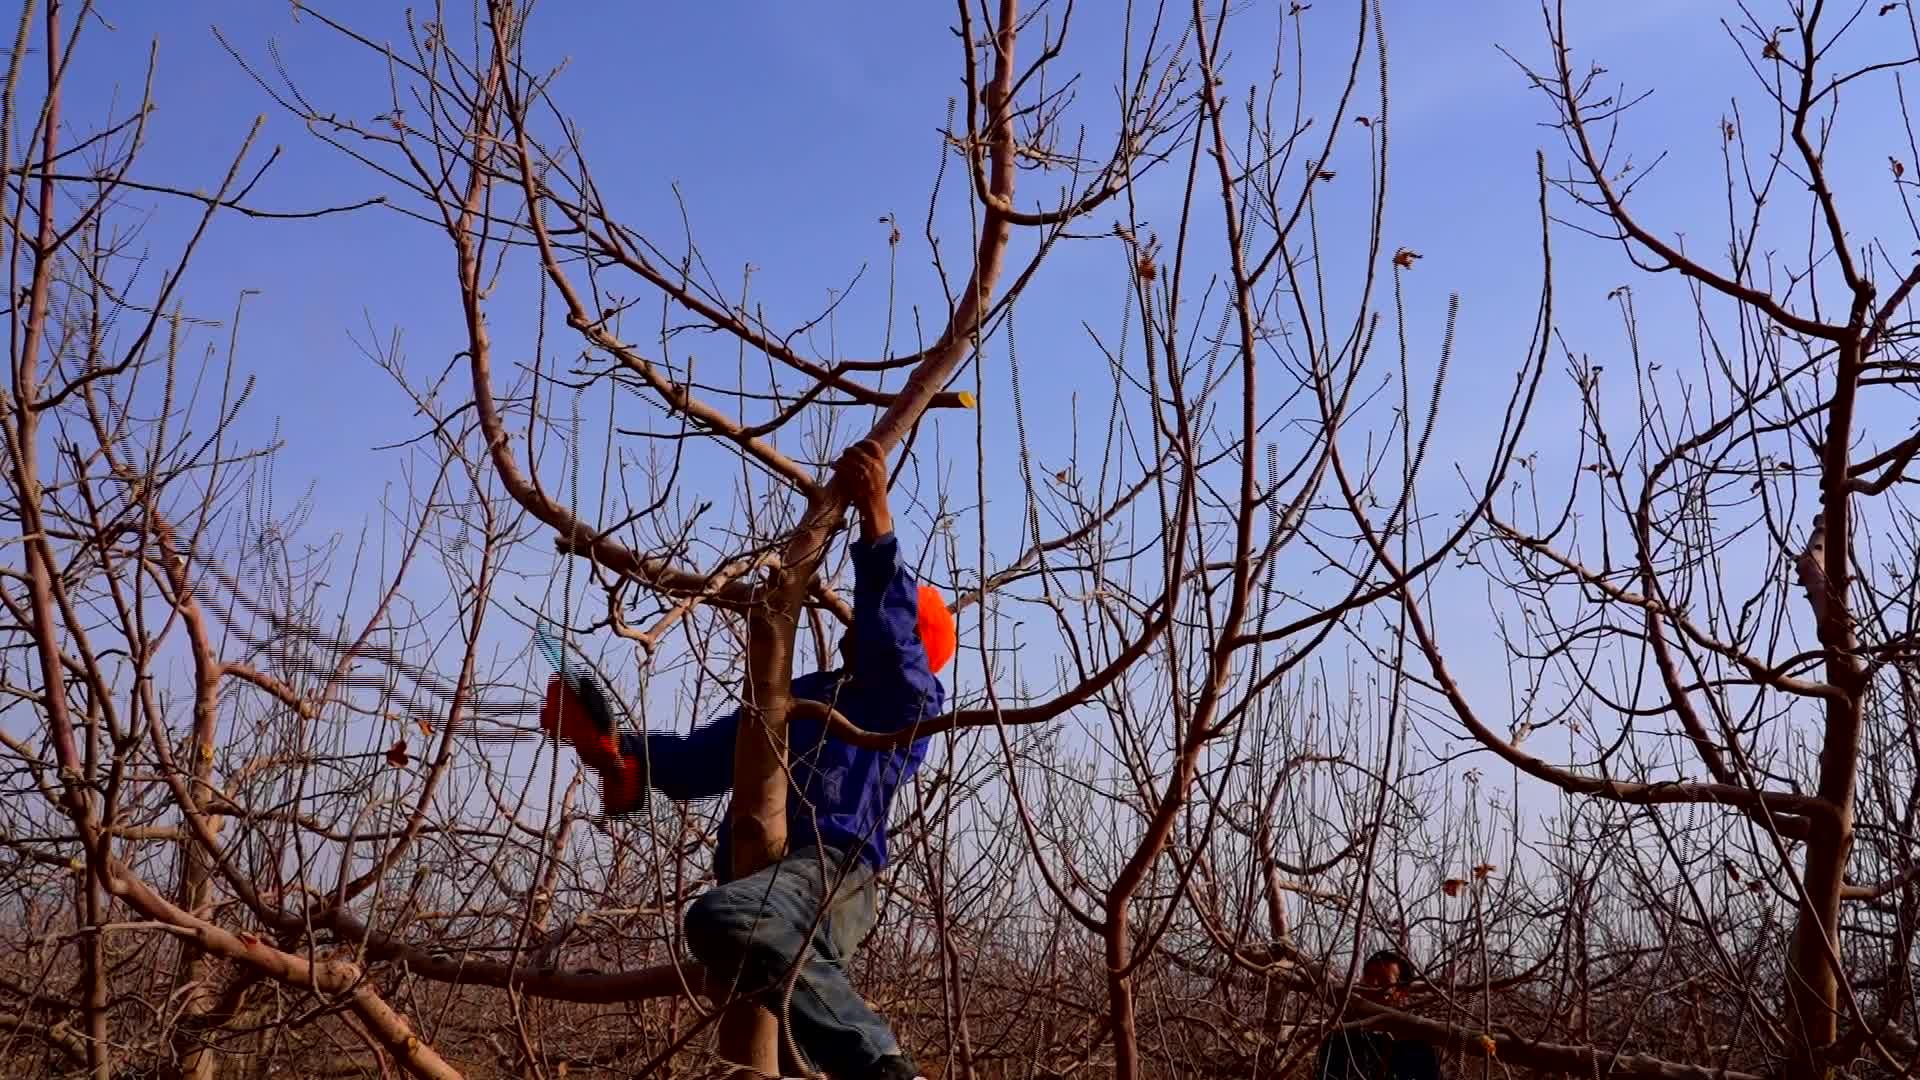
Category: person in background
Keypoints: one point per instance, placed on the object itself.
(813, 908)
(1357, 1054)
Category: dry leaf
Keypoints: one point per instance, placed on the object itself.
(1483, 870)
(1732, 870)
(397, 754)
(1404, 258)
(1899, 168)
(426, 729)
(1772, 51)
(1727, 129)
(1452, 886)
(1146, 268)
(1887, 9)
(1326, 174)
(1487, 1046)
(1363, 121)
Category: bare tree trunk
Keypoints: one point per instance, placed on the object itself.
(1813, 981)
(194, 972)
(24, 438)
(749, 1033)
(93, 979)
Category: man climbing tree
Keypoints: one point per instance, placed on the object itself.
(786, 932)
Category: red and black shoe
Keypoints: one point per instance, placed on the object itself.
(577, 713)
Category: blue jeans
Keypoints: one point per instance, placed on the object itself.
(754, 929)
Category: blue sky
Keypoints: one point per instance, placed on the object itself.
(791, 133)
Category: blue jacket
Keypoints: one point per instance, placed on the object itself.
(840, 790)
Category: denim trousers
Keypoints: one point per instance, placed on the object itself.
(813, 908)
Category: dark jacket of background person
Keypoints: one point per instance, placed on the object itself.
(1375, 1055)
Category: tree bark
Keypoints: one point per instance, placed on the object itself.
(1813, 985)
(93, 979)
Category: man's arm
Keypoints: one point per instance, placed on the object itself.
(887, 652)
(886, 626)
(697, 765)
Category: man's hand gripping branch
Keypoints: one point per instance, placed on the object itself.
(861, 477)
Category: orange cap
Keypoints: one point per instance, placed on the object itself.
(937, 630)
